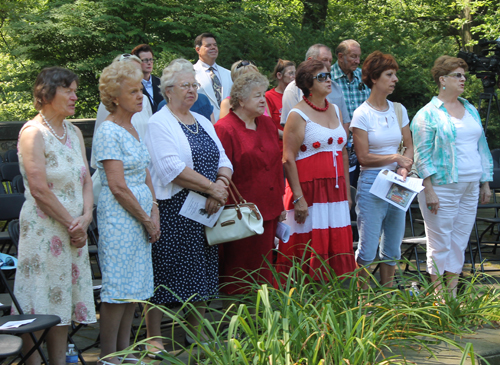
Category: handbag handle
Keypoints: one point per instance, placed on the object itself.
(231, 185)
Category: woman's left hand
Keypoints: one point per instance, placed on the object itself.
(485, 193)
(212, 206)
(282, 216)
(403, 172)
(78, 231)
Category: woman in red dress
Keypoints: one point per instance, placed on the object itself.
(284, 73)
(249, 139)
(317, 197)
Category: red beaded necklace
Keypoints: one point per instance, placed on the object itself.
(316, 107)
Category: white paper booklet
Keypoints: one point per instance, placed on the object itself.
(283, 232)
(390, 187)
(194, 208)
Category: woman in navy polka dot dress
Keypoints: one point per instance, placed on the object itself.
(186, 154)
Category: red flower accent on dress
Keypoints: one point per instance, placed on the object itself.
(303, 148)
(316, 145)
(55, 246)
(340, 140)
(80, 312)
(330, 140)
(75, 274)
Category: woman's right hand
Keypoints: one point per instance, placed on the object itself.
(153, 230)
(301, 211)
(218, 191)
(431, 200)
(404, 161)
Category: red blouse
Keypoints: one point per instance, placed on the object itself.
(256, 159)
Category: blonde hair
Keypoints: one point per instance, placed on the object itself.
(243, 86)
(111, 80)
(238, 71)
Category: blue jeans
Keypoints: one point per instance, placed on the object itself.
(378, 221)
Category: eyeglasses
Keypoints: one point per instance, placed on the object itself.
(458, 75)
(187, 85)
(245, 63)
(125, 56)
(322, 76)
(289, 73)
(147, 60)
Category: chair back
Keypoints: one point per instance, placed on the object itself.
(11, 156)
(495, 184)
(9, 170)
(17, 184)
(13, 229)
(10, 206)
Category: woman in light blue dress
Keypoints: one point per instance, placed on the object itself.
(127, 214)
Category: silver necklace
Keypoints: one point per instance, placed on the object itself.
(52, 129)
(386, 109)
(184, 124)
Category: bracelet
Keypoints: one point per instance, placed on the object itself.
(297, 200)
(223, 179)
(155, 203)
(209, 185)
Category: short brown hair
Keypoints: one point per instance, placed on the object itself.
(142, 48)
(376, 63)
(281, 65)
(305, 73)
(48, 81)
(199, 39)
(446, 64)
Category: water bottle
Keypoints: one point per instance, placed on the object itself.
(414, 289)
(71, 355)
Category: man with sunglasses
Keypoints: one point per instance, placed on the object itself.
(215, 80)
(150, 82)
(292, 94)
(348, 75)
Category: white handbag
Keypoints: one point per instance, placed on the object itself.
(237, 221)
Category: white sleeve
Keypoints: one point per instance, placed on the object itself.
(162, 147)
(291, 97)
(102, 114)
(359, 120)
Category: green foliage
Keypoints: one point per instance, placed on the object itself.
(329, 321)
(85, 35)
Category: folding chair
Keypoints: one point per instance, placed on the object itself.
(9, 346)
(42, 322)
(17, 184)
(10, 208)
(8, 170)
(11, 156)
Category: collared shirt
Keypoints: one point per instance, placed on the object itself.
(434, 138)
(353, 96)
(206, 67)
(148, 85)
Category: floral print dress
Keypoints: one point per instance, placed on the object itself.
(53, 277)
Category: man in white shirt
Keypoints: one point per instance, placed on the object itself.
(215, 80)
(150, 82)
(292, 94)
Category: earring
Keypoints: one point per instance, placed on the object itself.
(444, 87)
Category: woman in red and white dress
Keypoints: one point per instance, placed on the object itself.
(317, 196)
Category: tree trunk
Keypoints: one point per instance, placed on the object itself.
(315, 12)
(465, 31)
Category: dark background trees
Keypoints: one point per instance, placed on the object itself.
(85, 35)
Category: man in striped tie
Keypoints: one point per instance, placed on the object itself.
(215, 80)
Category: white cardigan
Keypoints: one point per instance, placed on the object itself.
(170, 151)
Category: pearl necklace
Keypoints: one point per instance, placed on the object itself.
(52, 129)
(327, 104)
(386, 109)
(184, 124)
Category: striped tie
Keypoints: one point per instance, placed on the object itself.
(216, 85)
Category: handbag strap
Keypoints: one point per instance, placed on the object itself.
(240, 198)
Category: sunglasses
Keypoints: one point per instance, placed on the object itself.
(458, 75)
(323, 76)
(245, 63)
(125, 56)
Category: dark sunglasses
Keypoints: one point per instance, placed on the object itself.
(322, 76)
(245, 63)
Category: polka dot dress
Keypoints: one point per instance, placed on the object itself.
(183, 263)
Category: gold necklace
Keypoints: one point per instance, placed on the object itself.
(184, 124)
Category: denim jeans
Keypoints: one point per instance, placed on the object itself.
(378, 222)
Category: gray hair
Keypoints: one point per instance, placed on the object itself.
(243, 86)
(170, 73)
(344, 46)
(313, 51)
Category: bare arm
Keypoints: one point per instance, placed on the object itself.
(192, 180)
(293, 137)
(408, 143)
(124, 196)
(360, 139)
(224, 175)
(212, 118)
(155, 213)
(225, 105)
